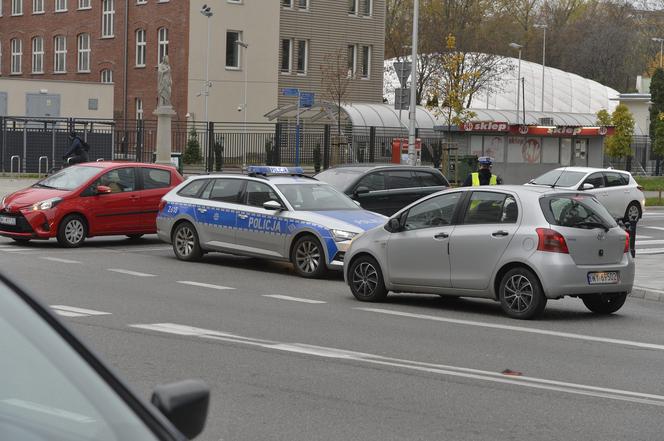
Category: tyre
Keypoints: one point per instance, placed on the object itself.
(185, 242)
(72, 231)
(134, 236)
(604, 303)
(521, 295)
(21, 240)
(633, 212)
(366, 280)
(308, 257)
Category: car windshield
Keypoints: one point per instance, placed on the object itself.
(70, 178)
(576, 211)
(316, 197)
(339, 177)
(48, 391)
(561, 178)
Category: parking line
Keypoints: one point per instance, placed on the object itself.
(57, 259)
(204, 285)
(516, 328)
(71, 311)
(131, 273)
(293, 299)
(649, 242)
(649, 251)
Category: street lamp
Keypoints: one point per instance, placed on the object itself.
(207, 12)
(543, 27)
(518, 79)
(660, 40)
(245, 46)
(413, 86)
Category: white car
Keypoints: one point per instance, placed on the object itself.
(615, 189)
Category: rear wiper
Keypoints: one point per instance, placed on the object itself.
(594, 225)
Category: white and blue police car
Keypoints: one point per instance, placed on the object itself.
(271, 212)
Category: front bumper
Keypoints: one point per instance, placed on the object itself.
(29, 225)
(337, 260)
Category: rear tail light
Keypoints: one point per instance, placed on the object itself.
(162, 204)
(639, 187)
(626, 250)
(551, 241)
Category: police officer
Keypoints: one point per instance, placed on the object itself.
(484, 175)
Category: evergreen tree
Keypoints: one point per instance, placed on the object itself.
(619, 145)
(192, 153)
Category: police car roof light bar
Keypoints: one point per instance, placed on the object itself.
(267, 170)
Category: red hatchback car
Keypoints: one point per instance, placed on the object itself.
(85, 200)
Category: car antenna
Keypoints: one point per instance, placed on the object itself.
(558, 178)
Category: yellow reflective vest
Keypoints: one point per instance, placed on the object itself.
(476, 179)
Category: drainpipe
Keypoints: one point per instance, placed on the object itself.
(126, 67)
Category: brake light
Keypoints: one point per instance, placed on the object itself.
(551, 241)
(639, 187)
(626, 250)
(162, 204)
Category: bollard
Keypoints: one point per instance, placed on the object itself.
(18, 164)
(39, 170)
(630, 227)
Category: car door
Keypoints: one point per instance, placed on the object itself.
(154, 184)
(484, 231)
(216, 214)
(618, 193)
(117, 211)
(402, 189)
(261, 231)
(599, 187)
(418, 255)
(372, 194)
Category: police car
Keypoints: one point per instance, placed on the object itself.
(272, 212)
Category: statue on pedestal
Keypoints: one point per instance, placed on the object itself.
(164, 82)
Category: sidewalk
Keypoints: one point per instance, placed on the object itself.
(10, 185)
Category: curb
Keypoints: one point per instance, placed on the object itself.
(640, 292)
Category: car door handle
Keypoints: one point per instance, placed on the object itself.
(441, 236)
(202, 210)
(501, 233)
(243, 216)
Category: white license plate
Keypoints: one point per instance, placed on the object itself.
(603, 278)
(7, 220)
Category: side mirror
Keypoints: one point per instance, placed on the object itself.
(103, 189)
(185, 404)
(587, 186)
(273, 206)
(394, 225)
(361, 190)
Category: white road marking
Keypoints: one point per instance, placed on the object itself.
(652, 228)
(649, 251)
(650, 289)
(204, 285)
(294, 299)
(57, 259)
(649, 242)
(135, 249)
(71, 311)
(456, 371)
(131, 273)
(517, 329)
(641, 236)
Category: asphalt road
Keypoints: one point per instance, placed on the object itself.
(295, 359)
(650, 232)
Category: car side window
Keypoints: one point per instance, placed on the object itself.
(435, 212)
(427, 179)
(614, 179)
(400, 179)
(155, 178)
(596, 179)
(120, 180)
(373, 181)
(193, 188)
(224, 190)
(258, 193)
(490, 208)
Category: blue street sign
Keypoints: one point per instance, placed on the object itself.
(290, 91)
(307, 99)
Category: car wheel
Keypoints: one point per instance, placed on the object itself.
(366, 280)
(21, 240)
(308, 257)
(185, 242)
(521, 295)
(633, 212)
(134, 236)
(604, 303)
(72, 231)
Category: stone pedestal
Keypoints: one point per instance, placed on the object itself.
(164, 116)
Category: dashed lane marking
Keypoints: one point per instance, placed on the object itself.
(71, 311)
(58, 259)
(649, 242)
(293, 299)
(131, 273)
(204, 285)
(649, 251)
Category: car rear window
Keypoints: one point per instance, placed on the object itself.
(155, 178)
(339, 177)
(576, 211)
(561, 178)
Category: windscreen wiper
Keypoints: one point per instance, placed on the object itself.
(594, 225)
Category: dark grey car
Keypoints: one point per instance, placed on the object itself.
(385, 189)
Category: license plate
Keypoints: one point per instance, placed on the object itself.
(603, 278)
(7, 220)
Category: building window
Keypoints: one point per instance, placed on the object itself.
(303, 4)
(60, 58)
(84, 4)
(352, 7)
(232, 49)
(352, 61)
(287, 3)
(17, 7)
(141, 2)
(286, 54)
(235, 1)
(107, 18)
(366, 61)
(37, 6)
(60, 5)
(140, 48)
(17, 55)
(38, 55)
(302, 56)
(139, 108)
(367, 8)
(163, 44)
(84, 53)
(106, 76)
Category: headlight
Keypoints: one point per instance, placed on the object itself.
(46, 205)
(2, 202)
(341, 235)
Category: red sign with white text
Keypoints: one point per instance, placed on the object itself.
(484, 126)
(564, 131)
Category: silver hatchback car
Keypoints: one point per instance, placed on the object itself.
(520, 245)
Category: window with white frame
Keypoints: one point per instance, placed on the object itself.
(352, 60)
(303, 4)
(139, 108)
(237, 2)
(84, 53)
(17, 55)
(366, 61)
(302, 56)
(141, 2)
(38, 55)
(60, 54)
(37, 6)
(162, 38)
(84, 4)
(107, 18)
(367, 8)
(232, 49)
(287, 3)
(17, 7)
(140, 47)
(60, 5)
(106, 76)
(286, 55)
(352, 7)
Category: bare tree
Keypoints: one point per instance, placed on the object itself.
(335, 80)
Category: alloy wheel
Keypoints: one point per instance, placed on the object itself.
(307, 256)
(74, 231)
(365, 279)
(518, 293)
(185, 241)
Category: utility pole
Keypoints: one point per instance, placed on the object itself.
(413, 87)
(543, 27)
